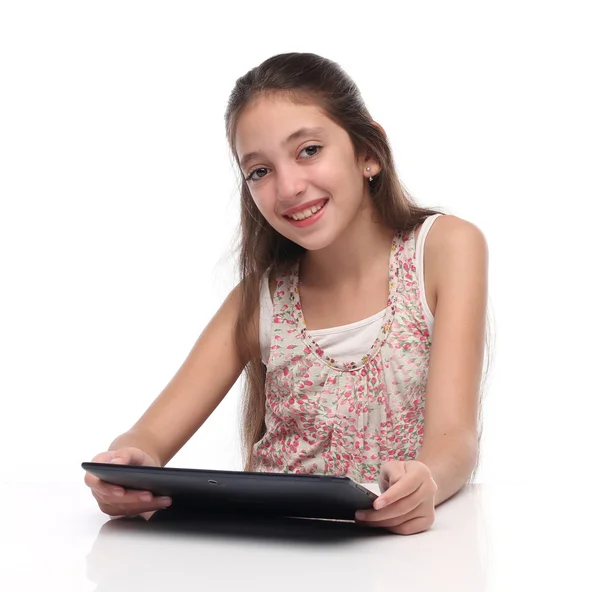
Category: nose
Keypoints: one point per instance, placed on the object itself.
(291, 183)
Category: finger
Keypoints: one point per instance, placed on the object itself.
(127, 497)
(133, 496)
(144, 515)
(420, 511)
(104, 457)
(91, 480)
(144, 499)
(133, 509)
(108, 490)
(103, 487)
(140, 508)
(407, 485)
(401, 507)
(413, 526)
(106, 497)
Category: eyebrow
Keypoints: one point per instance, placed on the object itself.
(303, 131)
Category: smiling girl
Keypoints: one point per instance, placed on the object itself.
(359, 318)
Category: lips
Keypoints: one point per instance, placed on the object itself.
(309, 204)
(311, 219)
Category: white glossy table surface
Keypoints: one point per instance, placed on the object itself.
(488, 537)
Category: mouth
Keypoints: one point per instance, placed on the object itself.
(308, 212)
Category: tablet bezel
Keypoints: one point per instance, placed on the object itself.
(266, 493)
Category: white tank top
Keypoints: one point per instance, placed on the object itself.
(346, 342)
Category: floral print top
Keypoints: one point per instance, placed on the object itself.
(346, 418)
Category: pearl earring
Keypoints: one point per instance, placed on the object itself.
(368, 171)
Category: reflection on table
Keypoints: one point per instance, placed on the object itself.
(178, 551)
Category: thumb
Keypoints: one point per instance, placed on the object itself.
(113, 456)
(132, 456)
(391, 472)
(121, 457)
(105, 457)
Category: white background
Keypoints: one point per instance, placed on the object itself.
(119, 204)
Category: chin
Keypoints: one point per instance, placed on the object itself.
(311, 243)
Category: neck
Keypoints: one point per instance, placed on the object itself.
(362, 249)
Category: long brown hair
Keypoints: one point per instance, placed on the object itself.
(304, 78)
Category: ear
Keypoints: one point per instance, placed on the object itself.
(368, 160)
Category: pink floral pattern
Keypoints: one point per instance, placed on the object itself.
(328, 417)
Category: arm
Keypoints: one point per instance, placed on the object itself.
(456, 262)
(458, 259)
(208, 373)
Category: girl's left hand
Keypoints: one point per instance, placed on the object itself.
(406, 505)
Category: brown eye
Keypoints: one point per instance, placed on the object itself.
(311, 147)
(250, 176)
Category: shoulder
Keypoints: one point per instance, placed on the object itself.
(453, 232)
(455, 248)
(451, 237)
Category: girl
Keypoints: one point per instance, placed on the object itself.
(341, 276)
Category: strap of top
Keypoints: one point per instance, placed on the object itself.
(420, 248)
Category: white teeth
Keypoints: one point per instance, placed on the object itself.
(306, 213)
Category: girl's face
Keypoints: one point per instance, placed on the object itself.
(301, 170)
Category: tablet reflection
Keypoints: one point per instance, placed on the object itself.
(176, 551)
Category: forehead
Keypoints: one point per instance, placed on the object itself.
(266, 124)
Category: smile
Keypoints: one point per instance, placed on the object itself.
(308, 213)
(308, 216)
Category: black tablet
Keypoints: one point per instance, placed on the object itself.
(268, 494)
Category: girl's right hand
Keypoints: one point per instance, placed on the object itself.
(117, 501)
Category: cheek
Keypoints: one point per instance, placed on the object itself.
(348, 189)
(264, 204)
(341, 175)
